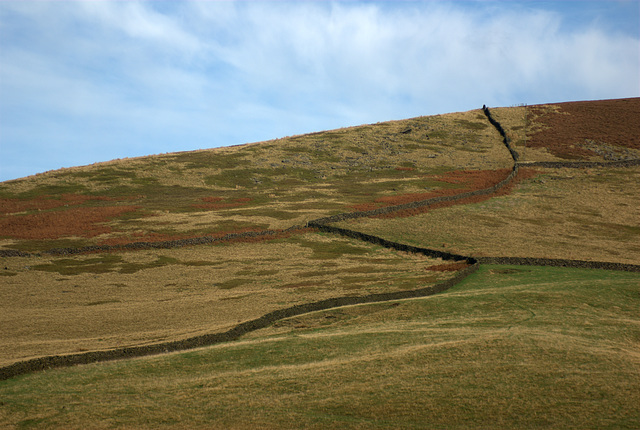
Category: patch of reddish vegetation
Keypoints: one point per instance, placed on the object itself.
(214, 203)
(77, 221)
(41, 203)
(470, 179)
(614, 122)
(523, 173)
(450, 267)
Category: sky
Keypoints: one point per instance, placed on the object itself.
(95, 80)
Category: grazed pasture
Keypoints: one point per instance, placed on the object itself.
(512, 347)
(62, 305)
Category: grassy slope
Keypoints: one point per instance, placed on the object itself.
(510, 347)
(517, 347)
(586, 214)
(100, 301)
(272, 185)
(119, 299)
(577, 214)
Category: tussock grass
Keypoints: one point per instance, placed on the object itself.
(581, 214)
(154, 295)
(510, 347)
(286, 181)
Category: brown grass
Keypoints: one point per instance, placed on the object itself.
(467, 180)
(583, 214)
(54, 305)
(214, 203)
(78, 221)
(267, 185)
(513, 347)
(485, 182)
(557, 213)
(500, 347)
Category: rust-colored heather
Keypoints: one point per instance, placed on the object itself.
(616, 122)
(46, 202)
(471, 179)
(523, 173)
(80, 221)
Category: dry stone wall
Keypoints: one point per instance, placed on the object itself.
(134, 246)
(393, 245)
(321, 224)
(57, 361)
(583, 164)
(579, 264)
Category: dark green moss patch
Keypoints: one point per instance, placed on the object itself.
(233, 283)
(331, 250)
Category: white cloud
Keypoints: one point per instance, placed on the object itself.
(141, 24)
(161, 76)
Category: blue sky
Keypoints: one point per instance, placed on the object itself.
(89, 81)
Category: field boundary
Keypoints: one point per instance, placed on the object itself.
(393, 245)
(58, 361)
(582, 164)
(317, 223)
(166, 244)
(320, 224)
(554, 262)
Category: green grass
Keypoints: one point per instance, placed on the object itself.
(109, 263)
(510, 347)
(331, 250)
(473, 125)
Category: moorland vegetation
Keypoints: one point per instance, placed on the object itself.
(285, 244)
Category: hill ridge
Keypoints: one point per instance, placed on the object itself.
(321, 224)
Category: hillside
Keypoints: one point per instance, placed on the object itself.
(176, 251)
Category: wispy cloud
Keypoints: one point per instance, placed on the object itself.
(89, 81)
